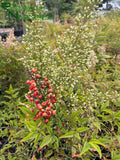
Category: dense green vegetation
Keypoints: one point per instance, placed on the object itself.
(60, 90)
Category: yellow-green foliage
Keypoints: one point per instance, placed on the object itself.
(108, 31)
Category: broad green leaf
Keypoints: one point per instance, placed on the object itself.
(95, 146)
(104, 105)
(97, 124)
(29, 136)
(46, 141)
(105, 141)
(86, 147)
(96, 141)
(68, 134)
(82, 129)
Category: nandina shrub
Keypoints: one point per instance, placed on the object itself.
(42, 96)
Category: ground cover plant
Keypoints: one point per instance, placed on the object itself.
(72, 101)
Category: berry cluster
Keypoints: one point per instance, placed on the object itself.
(40, 90)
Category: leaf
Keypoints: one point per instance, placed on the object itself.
(29, 136)
(36, 139)
(68, 135)
(104, 105)
(85, 148)
(70, 90)
(49, 153)
(95, 146)
(96, 141)
(97, 124)
(108, 111)
(77, 136)
(117, 157)
(74, 114)
(26, 111)
(82, 129)
(31, 126)
(46, 141)
(118, 137)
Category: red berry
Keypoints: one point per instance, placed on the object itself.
(48, 102)
(27, 82)
(48, 116)
(56, 93)
(53, 112)
(49, 87)
(40, 113)
(28, 96)
(35, 89)
(53, 101)
(31, 99)
(40, 96)
(44, 103)
(39, 107)
(36, 101)
(50, 90)
(46, 120)
(34, 70)
(44, 114)
(46, 79)
(50, 106)
(49, 96)
(35, 118)
(32, 110)
(27, 115)
(37, 76)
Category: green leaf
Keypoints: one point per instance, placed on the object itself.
(77, 136)
(46, 141)
(117, 157)
(104, 105)
(29, 136)
(31, 125)
(70, 90)
(95, 146)
(97, 124)
(118, 137)
(68, 134)
(82, 129)
(49, 153)
(85, 148)
(36, 139)
(2, 158)
(26, 111)
(108, 111)
(74, 114)
(96, 141)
